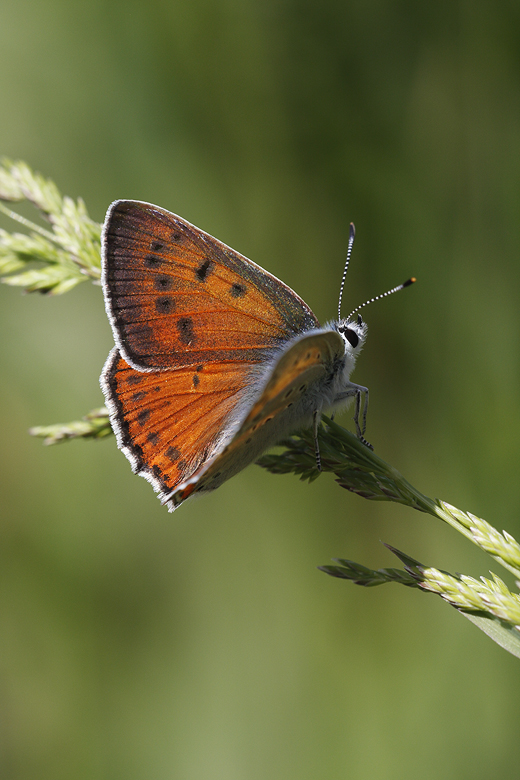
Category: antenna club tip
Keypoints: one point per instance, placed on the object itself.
(352, 229)
(410, 281)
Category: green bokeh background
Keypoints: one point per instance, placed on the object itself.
(137, 644)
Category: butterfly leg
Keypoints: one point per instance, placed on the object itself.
(361, 430)
(359, 392)
(316, 425)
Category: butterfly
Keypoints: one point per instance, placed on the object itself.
(216, 359)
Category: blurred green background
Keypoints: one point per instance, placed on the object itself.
(205, 644)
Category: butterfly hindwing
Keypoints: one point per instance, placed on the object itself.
(300, 370)
(169, 423)
(176, 296)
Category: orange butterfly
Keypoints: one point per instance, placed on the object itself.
(216, 359)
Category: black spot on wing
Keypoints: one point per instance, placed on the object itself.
(135, 379)
(195, 380)
(185, 328)
(173, 454)
(139, 395)
(238, 290)
(156, 246)
(204, 270)
(143, 416)
(152, 261)
(164, 305)
(163, 283)
(153, 437)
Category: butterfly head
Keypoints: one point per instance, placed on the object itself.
(353, 332)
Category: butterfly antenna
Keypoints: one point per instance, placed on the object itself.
(351, 238)
(383, 295)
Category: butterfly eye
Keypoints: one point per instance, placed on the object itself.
(352, 337)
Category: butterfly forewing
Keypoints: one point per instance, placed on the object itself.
(178, 297)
